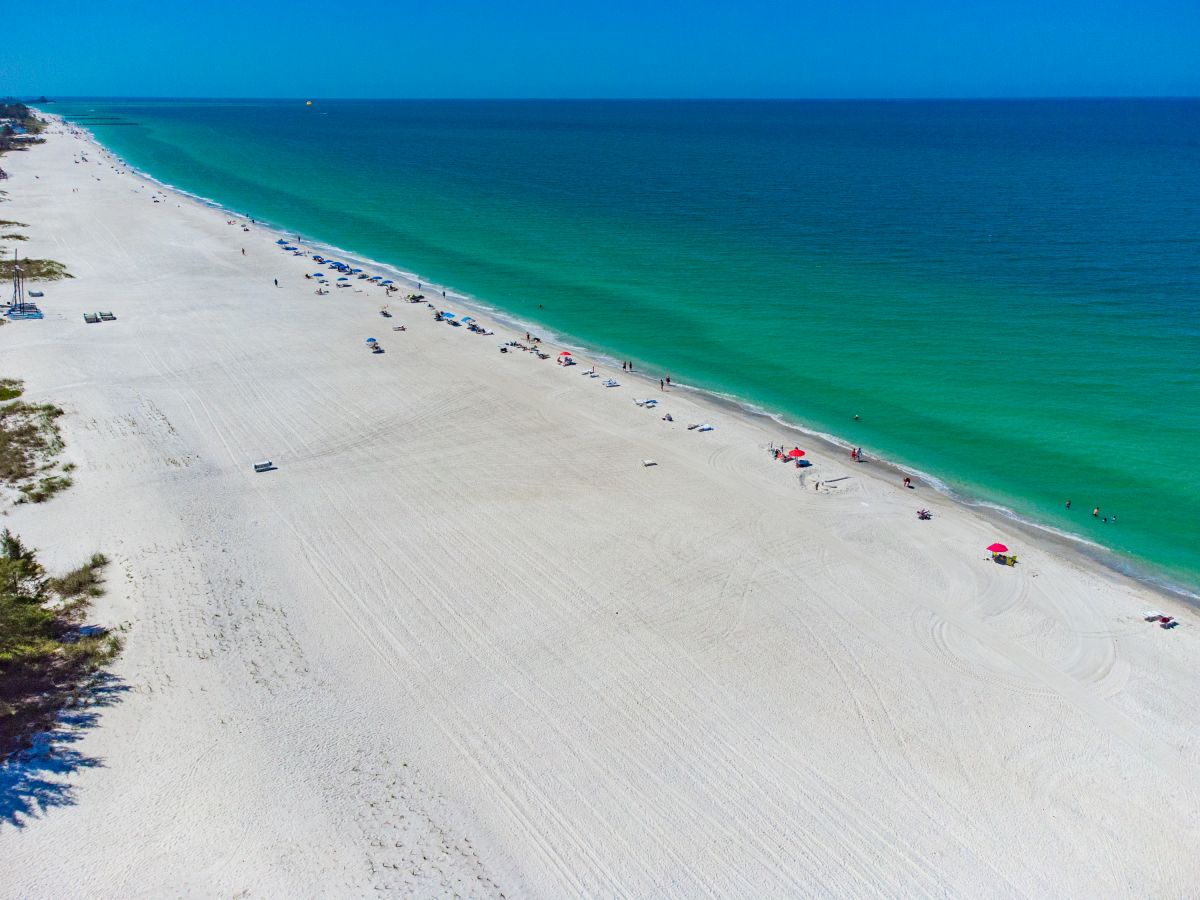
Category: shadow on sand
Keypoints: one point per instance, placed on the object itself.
(35, 780)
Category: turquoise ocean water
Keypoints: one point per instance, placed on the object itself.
(1007, 293)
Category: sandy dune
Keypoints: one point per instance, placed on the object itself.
(462, 641)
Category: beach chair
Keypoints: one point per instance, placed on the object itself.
(611, 383)
(648, 462)
(107, 317)
(705, 428)
(91, 318)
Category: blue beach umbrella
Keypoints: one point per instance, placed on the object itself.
(343, 278)
(318, 274)
(372, 341)
(447, 315)
(356, 270)
(389, 281)
(281, 241)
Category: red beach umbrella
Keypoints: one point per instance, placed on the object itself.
(795, 453)
(565, 353)
(997, 548)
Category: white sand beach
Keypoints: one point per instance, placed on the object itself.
(463, 642)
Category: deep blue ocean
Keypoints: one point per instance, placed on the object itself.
(1007, 293)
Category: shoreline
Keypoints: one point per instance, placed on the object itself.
(1083, 549)
(462, 639)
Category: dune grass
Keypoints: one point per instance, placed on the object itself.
(30, 442)
(46, 654)
(34, 269)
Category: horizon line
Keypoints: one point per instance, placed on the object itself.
(646, 99)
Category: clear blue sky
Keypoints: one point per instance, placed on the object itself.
(589, 48)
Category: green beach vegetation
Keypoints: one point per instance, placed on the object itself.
(34, 269)
(19, 128)
(18, 121)
(48, 656)
(30, 442)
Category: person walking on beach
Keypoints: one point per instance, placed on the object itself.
(243, 251)
(661, 385)
(622, 365)
(853, 453)
(276, 282)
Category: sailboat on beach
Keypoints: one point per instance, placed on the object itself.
(20, 307)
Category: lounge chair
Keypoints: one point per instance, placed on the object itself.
(107, 317)
(705, 428)
(648, 462)
(91, 318)
(611, 383)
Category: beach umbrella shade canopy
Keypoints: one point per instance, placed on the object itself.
(795, 453)
(343, 278)
(447, 315)
(389, 281)
(997, 548)
(372, 341)
(565, 353)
